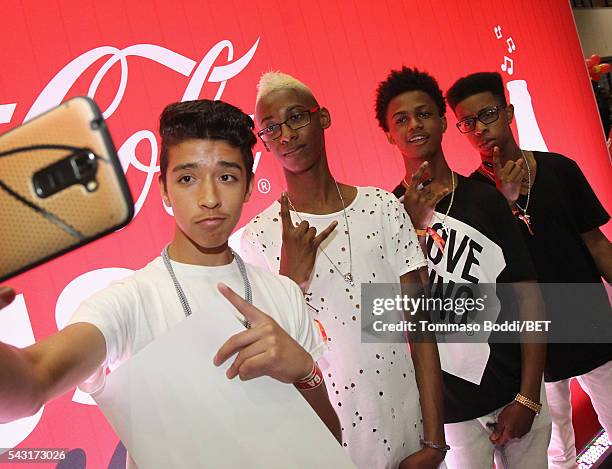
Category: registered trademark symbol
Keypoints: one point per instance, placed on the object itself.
(264, 186)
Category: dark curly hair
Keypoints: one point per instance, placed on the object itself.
(475, 83)
(401, 81)
(208, 120)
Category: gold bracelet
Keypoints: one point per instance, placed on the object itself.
(533, 406)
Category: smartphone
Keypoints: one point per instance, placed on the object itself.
(61, 186)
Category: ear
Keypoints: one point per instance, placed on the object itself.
(444, 123)
(163, 192)
(390, 138)
(325, 118)
(510, 113)
(249, 190)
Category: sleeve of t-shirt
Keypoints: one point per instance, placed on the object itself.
(251, 251)
(519, 266)
(111, 311)
(306, 332)
(401, 244)
(583, 203)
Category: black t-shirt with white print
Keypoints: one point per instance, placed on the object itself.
(562, 206)
(483, 245)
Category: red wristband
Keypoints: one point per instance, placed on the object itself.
(312, 380)
(439, 240)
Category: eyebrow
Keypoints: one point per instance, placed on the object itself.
(292, 108)
(418, 108)
(474, 115)
(223, 163)
(184, 166)
(230, 164)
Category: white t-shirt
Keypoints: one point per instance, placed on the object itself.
(134, 311)
(371, 385)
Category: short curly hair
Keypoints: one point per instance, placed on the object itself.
(401, 81)
(207, 120)
(475, 83)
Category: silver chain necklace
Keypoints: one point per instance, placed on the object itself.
(248, 295)
(348, 277)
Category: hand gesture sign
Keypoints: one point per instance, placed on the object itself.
(300, 245)
(508, 178)
(263, 350)
(420, 200)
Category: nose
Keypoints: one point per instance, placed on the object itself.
(480, 128)
(287, 133)
(208, 195)
(414, 123)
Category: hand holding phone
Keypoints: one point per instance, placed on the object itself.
(61, 186)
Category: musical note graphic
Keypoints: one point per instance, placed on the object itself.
(497, 31)
(511, 46)
(508, 65)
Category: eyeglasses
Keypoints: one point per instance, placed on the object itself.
(486, 116)
(295, 121)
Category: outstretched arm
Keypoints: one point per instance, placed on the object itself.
(31, 376)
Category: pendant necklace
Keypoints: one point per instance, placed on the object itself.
(486, 169)
(348, 277)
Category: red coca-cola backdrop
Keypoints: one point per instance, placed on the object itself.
(135, 57)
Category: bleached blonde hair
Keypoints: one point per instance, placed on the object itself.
(275, 80)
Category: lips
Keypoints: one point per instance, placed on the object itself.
(294, 150)
(418, 139)
(210, 222)
(486, 144)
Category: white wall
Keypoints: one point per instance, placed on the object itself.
(595, 30)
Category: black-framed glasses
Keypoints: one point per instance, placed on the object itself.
(486, 116)
(296, 120)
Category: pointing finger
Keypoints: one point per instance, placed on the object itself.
(322, 236)
(284, 213)
(497, 157)
(249, 311)
(416, 177)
